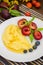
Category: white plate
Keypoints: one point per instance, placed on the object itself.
(20, 57)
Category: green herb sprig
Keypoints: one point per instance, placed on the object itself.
(40, 29)
(14, 13)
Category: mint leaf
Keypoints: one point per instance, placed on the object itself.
(14, 12)
(28, 22)
(32, 31)
(31, 20)
(40, 29)
(31, 37)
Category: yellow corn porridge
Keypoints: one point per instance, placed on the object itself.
(14, 40)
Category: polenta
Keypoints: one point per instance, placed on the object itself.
(14, 40)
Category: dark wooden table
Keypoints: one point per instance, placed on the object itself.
(40, 10)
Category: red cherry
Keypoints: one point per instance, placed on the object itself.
(27, 14)
(29, 5)
(37, 4)
(33, 25)
(34, 2)
(26, 31)
(21, 22)
(37, 35)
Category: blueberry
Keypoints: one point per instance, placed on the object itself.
(42, 57)
(30, 50)
(37, 43)
(25, 51)
(34, 47)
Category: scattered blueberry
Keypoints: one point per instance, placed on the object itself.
(25, 51)
(37, 43)
(34, 47)
(42, 57)
(30, 50)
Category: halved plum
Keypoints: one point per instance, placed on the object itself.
(37, 35)
(26, 31)
(21, 22)
(33, 26)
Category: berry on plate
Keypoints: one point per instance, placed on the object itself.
(25, 51)
(33, 25)
(26, 31)
(30, 50)
(37, 35)
(37, 43)
(34, 47)
(21, 22)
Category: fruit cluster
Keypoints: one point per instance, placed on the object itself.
(8, 11)
(33, 3)
(28, 28)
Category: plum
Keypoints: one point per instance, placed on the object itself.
(15, 7)
(4, 5)
(5, 14)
